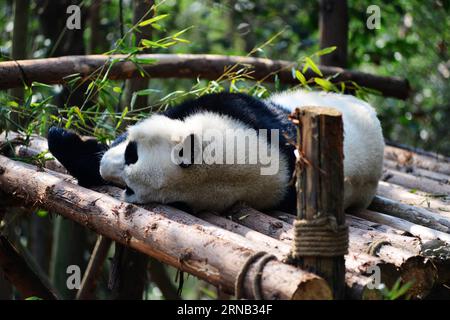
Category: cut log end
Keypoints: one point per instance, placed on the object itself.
(321, 111)
(315, 289)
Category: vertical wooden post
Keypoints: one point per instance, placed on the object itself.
(333, 25)
(320, 186)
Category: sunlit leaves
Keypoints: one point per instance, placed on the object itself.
(152, 20)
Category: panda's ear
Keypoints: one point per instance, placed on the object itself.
(189, 151)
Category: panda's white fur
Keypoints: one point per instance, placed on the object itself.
(156, 178)
(363, 140)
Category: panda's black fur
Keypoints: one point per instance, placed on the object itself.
(82, 157)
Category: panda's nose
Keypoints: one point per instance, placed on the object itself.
(129, 191)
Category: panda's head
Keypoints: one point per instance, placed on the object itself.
(144, 163)
(158, 163)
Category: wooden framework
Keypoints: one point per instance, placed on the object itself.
(410, 243)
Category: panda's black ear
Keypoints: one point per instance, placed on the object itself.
(190, 151)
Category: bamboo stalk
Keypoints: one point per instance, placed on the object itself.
(164, 233)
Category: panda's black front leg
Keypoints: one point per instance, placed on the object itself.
(81, 157)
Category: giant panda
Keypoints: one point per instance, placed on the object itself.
(155, 159)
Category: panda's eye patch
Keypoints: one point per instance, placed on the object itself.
(131, 155)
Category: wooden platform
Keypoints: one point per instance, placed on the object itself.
(404, 234)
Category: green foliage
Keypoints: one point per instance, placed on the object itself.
(397, 291)
(33, 298)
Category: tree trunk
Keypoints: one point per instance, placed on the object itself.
(19, 48)
(333, 25)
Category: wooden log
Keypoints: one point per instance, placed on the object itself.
(417, 160)
(438, 204)
(165, 233)
(356, 283)
(356, 261)
(422, 232)
(418, 172)
(419, 151)
(276, 247)
(416, 183)
(320, 194)
(435, 252)
(205, 66)
(412, 214)
(399, 257)
(19, 273)
(358, 290)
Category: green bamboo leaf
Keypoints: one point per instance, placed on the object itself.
(325, 51)
(179, 33)
(300, 77)
(151, 44)
(157, 27)
(152, 20)
(313, 66)
(181, 40)
(79, 114)
(324, 84)
(122, 116)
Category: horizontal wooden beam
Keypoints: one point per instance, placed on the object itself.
(205, 66)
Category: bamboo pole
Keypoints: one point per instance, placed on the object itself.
(165, 233)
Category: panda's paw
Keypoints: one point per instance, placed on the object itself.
(62, 142)
(80, 157)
